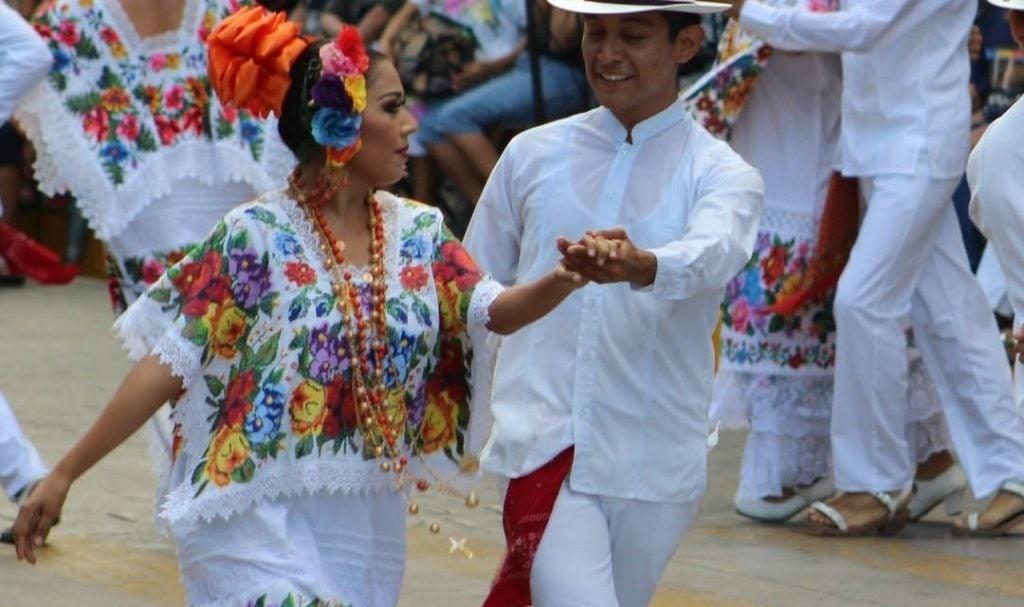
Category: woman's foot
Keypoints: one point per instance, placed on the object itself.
(860, 513)
(781, 508)
(938, 480)
(1002, 515)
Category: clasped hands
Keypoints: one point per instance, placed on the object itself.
(606, 256)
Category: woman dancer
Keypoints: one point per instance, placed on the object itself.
(316, 345)
(776, 370)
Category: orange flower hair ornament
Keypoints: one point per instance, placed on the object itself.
(251, 55)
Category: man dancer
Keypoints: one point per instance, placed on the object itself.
(611, 391)
(905, 127)
(996, 175)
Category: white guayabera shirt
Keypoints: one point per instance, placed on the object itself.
(623, 374)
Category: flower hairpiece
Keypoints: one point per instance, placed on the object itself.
(340, 96)
(251, 54)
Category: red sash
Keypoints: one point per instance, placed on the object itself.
(528, 505)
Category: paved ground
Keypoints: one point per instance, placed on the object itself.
(59, 362)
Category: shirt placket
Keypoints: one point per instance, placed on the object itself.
(587, 371)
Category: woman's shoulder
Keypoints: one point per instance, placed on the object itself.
(270, 212)
(410, 211)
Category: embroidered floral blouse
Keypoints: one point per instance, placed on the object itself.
(121, 118)
(248, 320)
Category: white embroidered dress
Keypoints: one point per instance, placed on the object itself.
(271, 493)
(132, 129)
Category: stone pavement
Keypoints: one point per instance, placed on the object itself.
(59, 363)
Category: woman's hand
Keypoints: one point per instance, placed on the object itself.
(38, 514)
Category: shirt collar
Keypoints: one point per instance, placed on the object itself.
(646, 129)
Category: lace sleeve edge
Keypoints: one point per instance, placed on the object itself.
(143, 331)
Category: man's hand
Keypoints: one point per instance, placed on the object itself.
(737, 7)
(606, 256)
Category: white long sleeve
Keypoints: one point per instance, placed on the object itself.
(24, 60)
(856, 28)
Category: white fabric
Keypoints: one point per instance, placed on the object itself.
(789, 130)
(24, 60)
(996, 176)
(334, 547)
(909, 262)
(905, 71)
(20, 464)
(497, 25)
(182, 217)
(993, 282)
(606, 552)
(624, 374)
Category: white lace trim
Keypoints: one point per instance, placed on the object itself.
(789, 222)
(280, 479)
(790, 423)
(143, 330)
(311, 241)
(169, 40)
(783, 405)
(479, 314)
(64, 163)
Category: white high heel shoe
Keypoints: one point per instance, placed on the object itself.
(948, 488)
(764, 511)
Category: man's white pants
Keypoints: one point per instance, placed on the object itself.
(20, 464)
(909, 265)
(602, 551)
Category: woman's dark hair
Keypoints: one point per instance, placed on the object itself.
(279, 5)
(677, 22)
(294, 124)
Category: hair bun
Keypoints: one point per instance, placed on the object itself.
(251, 54)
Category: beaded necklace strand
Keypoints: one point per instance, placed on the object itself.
(381, 429)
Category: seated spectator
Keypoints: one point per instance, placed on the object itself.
(370, 16)
(495, 90)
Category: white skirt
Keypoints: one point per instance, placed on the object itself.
(322, 549)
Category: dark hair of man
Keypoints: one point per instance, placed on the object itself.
(677, 22)
(295, 123)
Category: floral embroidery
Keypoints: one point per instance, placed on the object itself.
(293, 600)
(274, 378)
(754, 336)
(140, 101)
(717, 99)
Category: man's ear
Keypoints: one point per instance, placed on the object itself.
(688, 42)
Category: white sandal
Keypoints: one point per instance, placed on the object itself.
(948, 488)
(1003, 527)
(765, 511)
(894, 520)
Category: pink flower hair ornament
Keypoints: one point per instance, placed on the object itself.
(339, 96)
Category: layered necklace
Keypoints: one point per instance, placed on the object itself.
(383, 430)
(367, 337)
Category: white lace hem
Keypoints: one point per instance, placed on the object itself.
(143, 330)
(65, 164)
(273, 481)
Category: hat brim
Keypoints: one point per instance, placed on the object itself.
(1013, 5)
(589, 7)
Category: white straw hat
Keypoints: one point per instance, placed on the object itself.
(621, 7)
(1016, 5)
